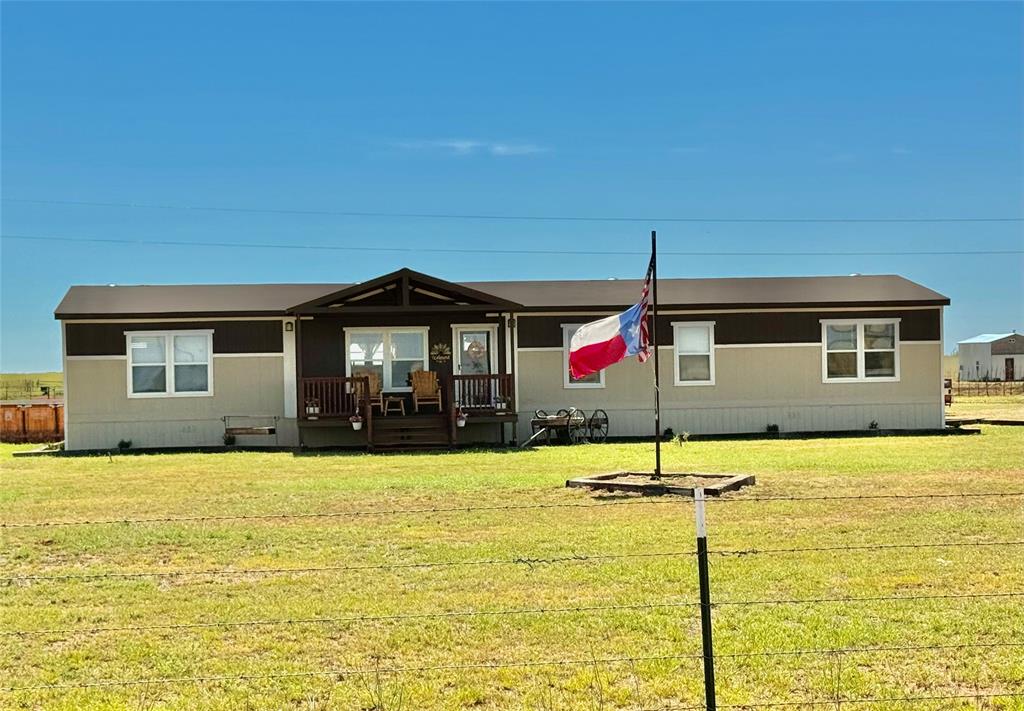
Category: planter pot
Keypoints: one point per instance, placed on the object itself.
(357, 426)
(461, 422)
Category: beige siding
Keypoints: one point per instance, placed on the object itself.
(755, 386)
(100, 413)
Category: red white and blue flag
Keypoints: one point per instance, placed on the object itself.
(598, 344)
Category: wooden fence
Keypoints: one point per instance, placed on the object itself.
(971, 388)
(31, 422)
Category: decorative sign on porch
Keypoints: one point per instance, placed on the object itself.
(440, 353)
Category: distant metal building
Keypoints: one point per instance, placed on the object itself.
(992, 356)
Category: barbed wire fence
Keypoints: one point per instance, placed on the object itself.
(705, 606)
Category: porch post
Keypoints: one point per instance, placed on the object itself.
(300, 394)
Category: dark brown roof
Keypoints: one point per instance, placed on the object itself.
(277, 299)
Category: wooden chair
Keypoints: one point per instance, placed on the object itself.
(374, 396)
(425, 389)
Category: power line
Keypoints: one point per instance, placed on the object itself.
(496, 665)
(536, 252)
(511, 217)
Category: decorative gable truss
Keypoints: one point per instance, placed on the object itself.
(404, 290)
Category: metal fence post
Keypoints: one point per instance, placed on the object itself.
(705, 600)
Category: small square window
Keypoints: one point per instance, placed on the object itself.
(694, 345)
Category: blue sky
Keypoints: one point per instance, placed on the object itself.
(730, 110)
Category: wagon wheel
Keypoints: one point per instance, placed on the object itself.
(577, 427)
(599, 426)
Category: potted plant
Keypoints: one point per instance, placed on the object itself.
(312, 409)
(460, 418)
(357, 422)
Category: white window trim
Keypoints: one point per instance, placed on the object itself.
(492, 327)
(860, 323)
(676, 325)
(168, 363)
(567, 330)
(386, 332)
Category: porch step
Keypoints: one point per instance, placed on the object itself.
(410, 432)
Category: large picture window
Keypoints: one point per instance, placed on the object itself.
(694, 345)
(865, 350)
(169, 363)
(391, 354)
(594, 380)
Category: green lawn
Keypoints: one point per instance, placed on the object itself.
(38, 489)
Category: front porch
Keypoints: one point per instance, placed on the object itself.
(332, 402)
(363, 352)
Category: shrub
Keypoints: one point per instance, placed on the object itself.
(772, 429)
(229, 439)
(124, 444)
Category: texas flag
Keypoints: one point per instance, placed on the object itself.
(598, 344)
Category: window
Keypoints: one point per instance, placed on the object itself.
(694, 345)
(169, 363)
(860, 351)
(392, 354)
(594, 380)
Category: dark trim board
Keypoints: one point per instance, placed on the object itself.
(100, 339)
(744, 328)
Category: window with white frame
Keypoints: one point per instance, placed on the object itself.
(169, 363)
(594, 380)
(392, 354)
(865, 350)
(694, 345)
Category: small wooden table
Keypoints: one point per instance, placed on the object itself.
(389, 400)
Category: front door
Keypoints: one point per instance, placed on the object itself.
(474, 359)
(475, 350)
(1009, 374)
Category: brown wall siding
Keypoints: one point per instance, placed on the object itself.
(743, 328)
(86, 339)
(1010, 345)
(323, 338)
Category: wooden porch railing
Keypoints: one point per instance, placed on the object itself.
(323, 398)
(484, 393)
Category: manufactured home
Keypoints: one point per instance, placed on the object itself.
(411, 359)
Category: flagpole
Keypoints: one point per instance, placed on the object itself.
(654, 343)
